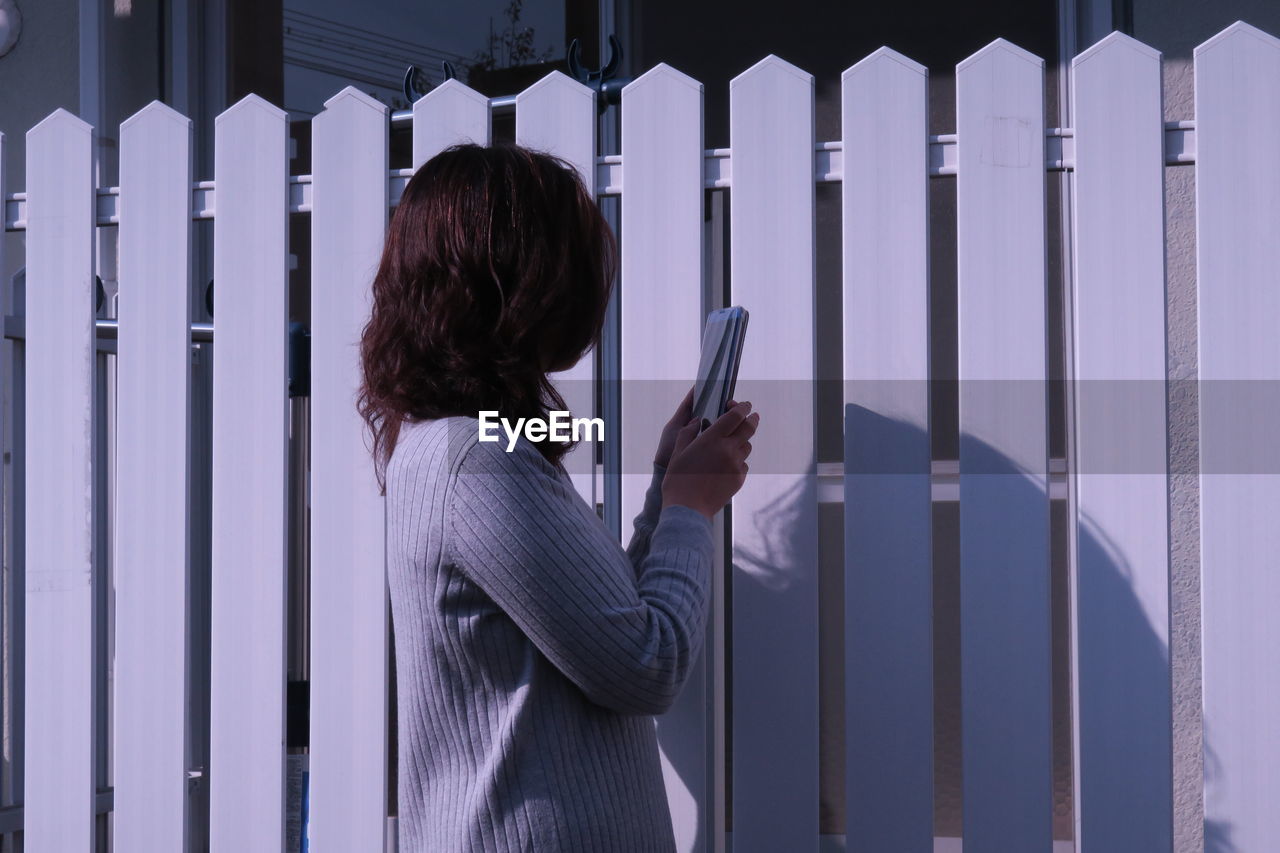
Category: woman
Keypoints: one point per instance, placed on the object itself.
(531, 649)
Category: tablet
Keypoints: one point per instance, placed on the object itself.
(722, 339)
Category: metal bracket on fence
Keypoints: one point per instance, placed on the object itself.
(416, 83)
(604, 80)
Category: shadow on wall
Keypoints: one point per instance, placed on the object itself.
(1120, 645)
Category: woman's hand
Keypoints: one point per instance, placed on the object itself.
(706, 470)
(667, 443)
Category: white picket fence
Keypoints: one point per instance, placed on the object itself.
(1116, 152)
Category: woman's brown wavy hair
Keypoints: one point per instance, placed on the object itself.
(496, 268)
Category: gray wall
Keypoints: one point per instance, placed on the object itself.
(40, 74)
(43, 73)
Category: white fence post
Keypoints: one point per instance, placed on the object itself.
(250, 458)
(558, 115)
(1121, 524)
(662, 311)
(1237, 80)
(775, 516)
(349, 662)
(1004, 500)
(448, 114)
(152, 479)
(888, 505)
(58, 807)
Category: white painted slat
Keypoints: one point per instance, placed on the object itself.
(775, 548)
(349, 663)
(888, 502)
(250, 442)
(1237, 80)
(58, 802)
(1004, 502)
(151, 561)
(558, 115)
(1121, 523)
(448, 114)
(662, 315)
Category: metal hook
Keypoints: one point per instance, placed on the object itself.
(588, 76)
(608, 89)
(416, 83)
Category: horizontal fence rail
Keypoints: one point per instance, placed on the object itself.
(1179, 147)
(745, 745)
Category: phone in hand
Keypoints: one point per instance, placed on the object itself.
(722, 340)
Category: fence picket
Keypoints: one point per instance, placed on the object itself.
(448, 114)
(1237, 98)
(250, 458)
(775, 550)
(888, 503)
(662, 308)
(151, 561)
(1121, 523)
(1004, 501)
(558, 115)
(58, 807)
(349, 662)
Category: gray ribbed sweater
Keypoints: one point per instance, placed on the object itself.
(531, 649)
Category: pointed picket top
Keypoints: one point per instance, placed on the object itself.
(249, 105)
(453, 91)
(59, 121)
(1235, 32)
(554, 84)
(449, 114)
(155, 114)
(357, 97)
(554, 81)
(557, 114)
(660, 73)
(772, 64)
(1115, 42)
(878, 58)
(1001, 46)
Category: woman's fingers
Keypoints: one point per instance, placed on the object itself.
(686, 434)
(748, 427)
(727, 423)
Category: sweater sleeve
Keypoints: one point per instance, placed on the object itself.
(535, 547)
(638, 548)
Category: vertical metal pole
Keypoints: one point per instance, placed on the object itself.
(1069, 13)
(610, 368)
(14, 638)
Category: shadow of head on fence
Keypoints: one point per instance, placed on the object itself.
(1122, 704)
